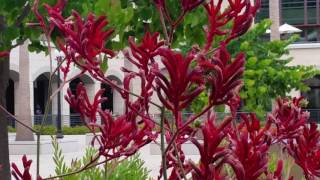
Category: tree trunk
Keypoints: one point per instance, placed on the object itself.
(4, 149)
(24, 109)
(274, 11)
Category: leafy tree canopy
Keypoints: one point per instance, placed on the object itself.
(268, 72)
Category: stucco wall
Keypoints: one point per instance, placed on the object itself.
(39, 64)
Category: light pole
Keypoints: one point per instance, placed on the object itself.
(59, 133)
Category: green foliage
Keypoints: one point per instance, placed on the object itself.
(58, 158)
(289, 167)
(51, 130)
(75, 130)
(134, 18)
(200, 102)
(62, 168)
(11, 129)
(129, 169)
(14, 16)
(268, 71)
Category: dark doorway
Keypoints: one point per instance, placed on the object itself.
(108, 104)
(41, 86)
(74, 116)
(10, 101)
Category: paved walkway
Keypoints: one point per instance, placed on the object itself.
(152, 162)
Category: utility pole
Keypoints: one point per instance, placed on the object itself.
(59, 134)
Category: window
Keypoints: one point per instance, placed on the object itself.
(303, 14)
(292, 11)
(264, 11)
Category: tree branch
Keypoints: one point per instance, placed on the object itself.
(16, 119)
(25, 12)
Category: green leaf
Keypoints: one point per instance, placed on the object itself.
(104, 66)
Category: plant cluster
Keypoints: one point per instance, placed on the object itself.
(52, 130)
(243, 147)
(131, 168)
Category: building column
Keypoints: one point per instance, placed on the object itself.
(24, 109)
(274, 11)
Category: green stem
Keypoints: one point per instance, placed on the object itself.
(163, 153)
(179, 161)
(106, 170)
(48, 104)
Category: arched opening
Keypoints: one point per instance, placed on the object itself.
(74, 116)
(40, 89)
(10, 95)
(313, 97)
(10, 101)
(114, 100)
(108, 93)
(89, 84)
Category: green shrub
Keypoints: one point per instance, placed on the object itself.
(11, 129)
(129, 169)
(46, 130)
(75, 130)
(51, 130)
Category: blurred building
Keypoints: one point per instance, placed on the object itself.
(302, 14)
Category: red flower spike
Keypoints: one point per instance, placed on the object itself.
(25, 175)
(306, 151)
(278, 172)
(289, 119)
(240, 13)
(120, 136)
(82, 104)
(142, 55)
(251, 143)
(4, 54)
(189, 5)
(213, 155)
(160, 3)
(57, 8)
(83, 40)
(55, 12)
(171, 158)
(224, 75)
(178, 88)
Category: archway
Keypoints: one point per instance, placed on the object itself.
(89, 84)
(10, 95)
(114, 102)
(313, 97)
(40, 89)
(108, 93)
(10, 101)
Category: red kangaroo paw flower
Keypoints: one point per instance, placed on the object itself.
(239, 13)
(223, 74)
(213, 155)
(4, 54)
(83, 40)
(120, 136)
(306, 151)
(142, 55)
(189, 5)
(289, 119)
(183, 84)
(250, 142)
(25, 174)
